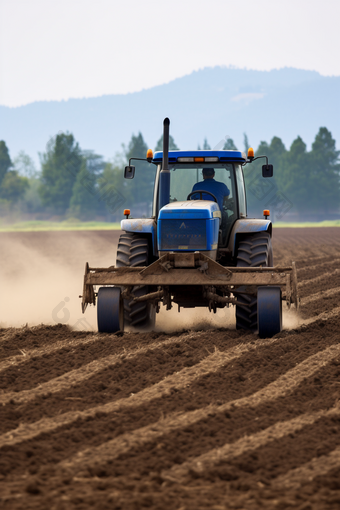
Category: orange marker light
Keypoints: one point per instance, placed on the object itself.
(126, 212)
(251, 153)
(266, 213)
(149, 155)
(199, 160)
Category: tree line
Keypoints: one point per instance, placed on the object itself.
(76, 183)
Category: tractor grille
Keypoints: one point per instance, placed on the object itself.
(183, 235)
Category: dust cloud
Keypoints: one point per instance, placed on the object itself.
(290, 318)
(196, 319)
(42, 277)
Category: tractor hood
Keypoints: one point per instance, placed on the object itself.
(189, 226)
(190, 209)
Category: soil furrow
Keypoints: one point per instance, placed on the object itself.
(322, 263)
(303, 262)
(256, 369)
(277, 457)
(280, 387)
(261, 426)
(120, 380)
(322, 294)
(76, 376)
(240, 472)
(39, 370)
(167, 448)
(326, 304)
(327, 284)
(249, 443)
(316, 467)
(324, 316)
(17, 339)
(27, 355)
(176, 381)
(318, 279)
(313, 394)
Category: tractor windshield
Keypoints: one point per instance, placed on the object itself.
(218, 179)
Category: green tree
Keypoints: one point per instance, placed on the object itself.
(295, 178)
(137, 147)
(172, 144)
(309, 181)
(229, 145)
(260, 190)
(206, 146)
(94, 162)
(25, 166)
(60, 166)
(246, 143)
(115, 193)
(30, 202)
(84, 201)
(276, 152)
(141, 187)
(13, 186)
(5, 160)
(325, 169)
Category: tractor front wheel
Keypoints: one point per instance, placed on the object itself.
(110, 311)
(133, 251)
(269, 311)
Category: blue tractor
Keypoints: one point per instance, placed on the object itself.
(198, 249)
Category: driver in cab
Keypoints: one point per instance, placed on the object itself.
(219, 189)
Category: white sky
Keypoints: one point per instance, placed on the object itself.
(58, 49)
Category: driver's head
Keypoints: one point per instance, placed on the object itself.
(208, 173)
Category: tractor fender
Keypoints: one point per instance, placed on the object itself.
(142, 226)
(247, 226)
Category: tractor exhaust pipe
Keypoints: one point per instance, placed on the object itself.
(166, 129)
(164, 177)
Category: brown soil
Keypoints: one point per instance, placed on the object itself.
(125, 419)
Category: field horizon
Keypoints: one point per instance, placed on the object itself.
(50, 226)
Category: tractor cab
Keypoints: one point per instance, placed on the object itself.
(202, 185)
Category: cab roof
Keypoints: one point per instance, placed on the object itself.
(223, 156)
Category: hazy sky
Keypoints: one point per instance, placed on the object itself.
(57, 49)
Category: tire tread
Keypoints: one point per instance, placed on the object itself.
(133, 251)
(253, 251)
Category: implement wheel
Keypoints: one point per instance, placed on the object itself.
(269, 311)
(110, 310)
(133, 251)
(253, 250)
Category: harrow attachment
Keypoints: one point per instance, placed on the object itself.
(193, 279)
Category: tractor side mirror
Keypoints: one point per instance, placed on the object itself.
(129, 172)
(267, 171)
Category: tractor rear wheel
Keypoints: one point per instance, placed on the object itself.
(133, 251)
(254, 250)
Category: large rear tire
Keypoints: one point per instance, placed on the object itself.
(253, 251)
(133, 251)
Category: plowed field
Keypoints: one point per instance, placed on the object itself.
(196, 416)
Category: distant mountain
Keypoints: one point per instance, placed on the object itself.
(212, 103)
